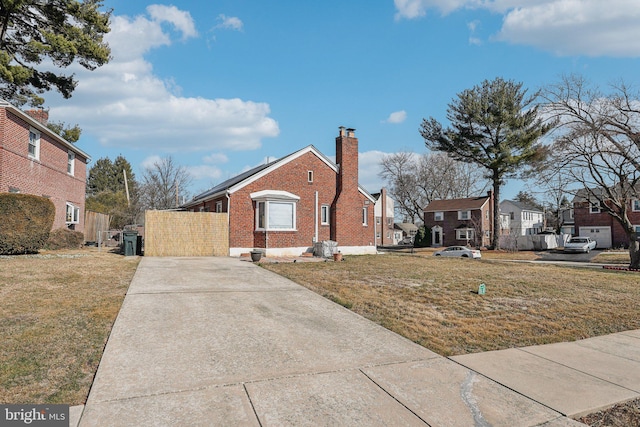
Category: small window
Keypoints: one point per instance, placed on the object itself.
(310, 176)
(464, 215)
(594, 208)
(438, 216)
(201, 208)
(71, 156)
(512, 215)
(34, 144)
(486, 214)
(365, 215)
(73, 214)
(636, 205)
(571, 213)
(389, 222)
(378, 235)
(262, 207)
(378, 220)
(219, 206)
(324, 214)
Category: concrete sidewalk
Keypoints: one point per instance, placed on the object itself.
(217, 341)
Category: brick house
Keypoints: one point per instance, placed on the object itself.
(592, 221)
(35, 160)
(386, 233)
(284, 207)
(467, 221)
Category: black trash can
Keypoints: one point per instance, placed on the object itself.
(130, 242)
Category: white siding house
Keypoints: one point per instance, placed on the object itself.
(523, 220)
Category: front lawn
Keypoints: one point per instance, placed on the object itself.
(434, 301)
(56, 314)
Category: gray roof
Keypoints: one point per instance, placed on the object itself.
(522, 206)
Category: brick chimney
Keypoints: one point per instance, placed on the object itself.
(347, 206)
(39, 114)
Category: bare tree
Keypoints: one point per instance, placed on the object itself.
(415, 180)
(164, 184)
(598, 147)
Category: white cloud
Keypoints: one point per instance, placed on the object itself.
(216, 158)
(180, 19)
(396, 117)
(564, 27)
(204, 172)
(150, 161)
(229, 22)
(368, 170)
(124, 104)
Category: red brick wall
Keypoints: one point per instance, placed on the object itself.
(451, 222)
(44, 177)
(584, 218)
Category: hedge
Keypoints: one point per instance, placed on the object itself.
(63, 238)
(25, 223)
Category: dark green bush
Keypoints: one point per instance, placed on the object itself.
(63, 238)
(422, 238)
(25, 223)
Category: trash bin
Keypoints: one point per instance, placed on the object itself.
(130, 241)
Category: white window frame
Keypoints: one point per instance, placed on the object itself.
(365, 216)
(468, 234)
(72, 214)
(325, 215)
(309, 176)
(438, 216)
(635, 205)
(461, 216)
(219, 206)
(594, 208)
(71, 162)
(269, 206)
(389, 222)
(34, 141)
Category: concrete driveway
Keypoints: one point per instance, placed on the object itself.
(218, 341)
(557, 255)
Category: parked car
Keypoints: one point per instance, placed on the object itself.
(459, 251)
(406, 241)
(580, 244)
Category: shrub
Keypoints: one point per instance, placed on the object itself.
(25, 223)
(422, 238)
(63, 238)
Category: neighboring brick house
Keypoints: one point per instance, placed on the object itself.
(35, 160)
(286, 206)
(384, 213)
(467, 221)
(592, 221)
(524, 220)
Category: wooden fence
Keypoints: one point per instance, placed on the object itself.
(95, 226)
(169, 233)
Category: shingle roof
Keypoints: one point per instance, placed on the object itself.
(522, 206)
(456, 204)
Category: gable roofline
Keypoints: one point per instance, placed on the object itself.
(522, 206)
(240, 181)
(42, 128)
(451, 205)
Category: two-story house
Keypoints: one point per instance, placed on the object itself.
(591, 220)
(384, 214)
(467, 221)
(35, 160)
(524, 220)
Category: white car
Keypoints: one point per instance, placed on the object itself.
(580, 244)
(459, 251)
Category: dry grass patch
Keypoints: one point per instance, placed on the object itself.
(434, 301)
(57, 311)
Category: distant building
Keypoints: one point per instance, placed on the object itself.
(384, 213)
(523, 219)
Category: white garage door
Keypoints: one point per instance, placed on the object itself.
(602, 235)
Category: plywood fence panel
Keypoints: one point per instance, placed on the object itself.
(169, 233)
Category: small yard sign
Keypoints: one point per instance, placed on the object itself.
(482, 289)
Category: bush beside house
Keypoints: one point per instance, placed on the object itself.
(25, 223)
(63, 238)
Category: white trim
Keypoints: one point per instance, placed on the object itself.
(71, 162)
(273, 195)
(36, 143)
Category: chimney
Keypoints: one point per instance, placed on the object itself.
(39, 114)
(347, 205)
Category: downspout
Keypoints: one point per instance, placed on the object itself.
(228, 219)
(315, 238)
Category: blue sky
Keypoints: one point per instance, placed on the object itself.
(223, 85)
